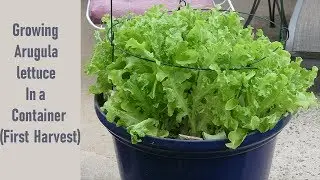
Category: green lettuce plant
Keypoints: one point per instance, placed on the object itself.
(196, 73)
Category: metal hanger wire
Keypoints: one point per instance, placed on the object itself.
(181, 4)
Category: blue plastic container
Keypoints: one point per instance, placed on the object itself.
(172, 159)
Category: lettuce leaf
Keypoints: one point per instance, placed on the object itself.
(149, 93)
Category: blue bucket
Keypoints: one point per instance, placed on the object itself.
(173, 159)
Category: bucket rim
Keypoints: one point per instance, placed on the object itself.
(252, 140)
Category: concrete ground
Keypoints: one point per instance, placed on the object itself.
(297, 155)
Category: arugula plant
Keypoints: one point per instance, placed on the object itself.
(196, 73)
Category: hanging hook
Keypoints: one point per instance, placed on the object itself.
(182, 3)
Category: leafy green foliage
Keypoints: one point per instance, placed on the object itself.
(152, 98)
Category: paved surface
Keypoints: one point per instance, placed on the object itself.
(297, 155)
